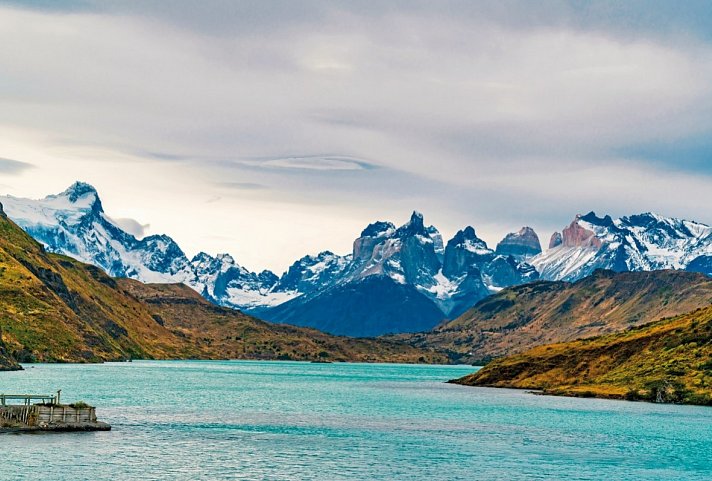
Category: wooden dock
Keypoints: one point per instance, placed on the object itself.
(30, 412)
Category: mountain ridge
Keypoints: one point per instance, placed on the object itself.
(453, 275)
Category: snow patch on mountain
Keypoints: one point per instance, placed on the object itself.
(639, 242)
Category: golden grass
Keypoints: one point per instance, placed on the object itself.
(666, 361)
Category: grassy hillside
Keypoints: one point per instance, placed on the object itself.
(665, 361)
(227, 333)
(56, 309)
(7, 363)
(521, 317)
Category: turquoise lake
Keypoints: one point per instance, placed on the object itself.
(248, 420)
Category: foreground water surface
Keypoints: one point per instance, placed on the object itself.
(299, 421)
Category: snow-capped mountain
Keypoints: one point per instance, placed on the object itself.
(313, 272)
(640, 242)
(74, 223)
(426, 282)
(223, 281)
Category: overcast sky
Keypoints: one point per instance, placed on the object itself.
(273, 129)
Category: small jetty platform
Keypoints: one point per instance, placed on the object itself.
(36, 413)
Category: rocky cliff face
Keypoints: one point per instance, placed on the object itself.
(522, 245)
(465, 249)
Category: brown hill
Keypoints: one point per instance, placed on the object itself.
(665, 361)
(227, 333)
(521, 317)
(56, 309)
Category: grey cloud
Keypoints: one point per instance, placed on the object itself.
(240, 17)
(313, 162)
(10, 166)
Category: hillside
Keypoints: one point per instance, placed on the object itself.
(544, 312)
(7, 363)
(56, 309)
(665, 361)
(228, 333)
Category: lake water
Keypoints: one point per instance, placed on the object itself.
(299, 421)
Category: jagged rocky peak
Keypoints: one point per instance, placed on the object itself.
(556, 240)
(201, 257)
(312, 272)
(407, 255)
(505, 271)
(575, 235)
(82, 195)
(522, 244)
(225, 259)
(415, 226)
(437, 240)
(464, 250)
(370, 236)
(79, 189)
(267, 278)
(659, 228)
(592, 218)
(467, 238)
(378, 229)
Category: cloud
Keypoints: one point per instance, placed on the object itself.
(132, 226)
(242, 185)
(488, 113)
(9, 166)
(312, 162)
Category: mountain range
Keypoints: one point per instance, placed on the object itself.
(56, 309)
(396, 279)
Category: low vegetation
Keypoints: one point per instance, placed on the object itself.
(227, 333)
(519, 318)
(667, 361)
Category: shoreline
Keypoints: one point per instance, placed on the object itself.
(573, 394)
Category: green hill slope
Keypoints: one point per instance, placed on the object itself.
(665, 361)
(519, 318)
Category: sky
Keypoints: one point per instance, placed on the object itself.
(274, 129)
